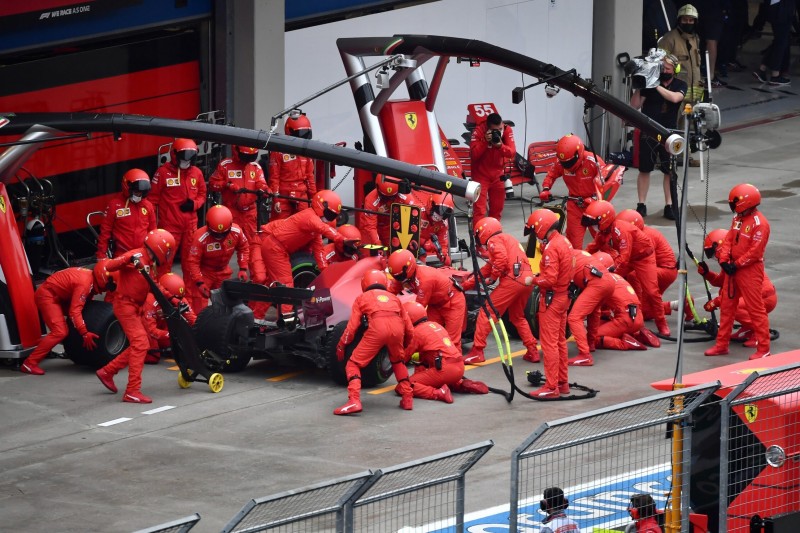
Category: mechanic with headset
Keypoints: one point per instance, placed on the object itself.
(581, 176)
(375, 225)
(178, 191)
(128, 216)
(642, 510)
(292, 175)
(132, 290)
(553, 504)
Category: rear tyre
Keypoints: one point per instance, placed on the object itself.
(304, 269)
(215, 331)
(100, 319)
(375, 373)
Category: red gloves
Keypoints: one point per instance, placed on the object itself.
(201, 286)
(587, 200)
(89, 339)
(710, 305)
(243, 275)
(545, 195)
(446, 261)
(340, 352)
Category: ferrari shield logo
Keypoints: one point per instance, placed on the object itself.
(448, 184)
(194, 181)
(3, 204)
(144, 211)
(751, 412)
(411, 120)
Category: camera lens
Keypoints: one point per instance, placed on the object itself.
(496, 137)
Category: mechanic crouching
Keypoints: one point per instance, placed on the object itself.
(174, 289)
(384, 322)
(131, 293)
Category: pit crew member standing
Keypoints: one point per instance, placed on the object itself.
(374, 226)
(211, 249)
(292, 175)
(386, 324)
(507, 263)
(582, 178)
(555, 274)
(132, 290)
(741, 257)
(128, 217)
(490, 148)
(64, 294)
(435, 289)
(178, 191)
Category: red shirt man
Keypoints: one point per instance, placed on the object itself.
(489, 152)
(129, 217)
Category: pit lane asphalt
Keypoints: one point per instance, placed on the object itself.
(271, 429)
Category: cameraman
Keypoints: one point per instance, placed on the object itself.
(660, 103)
(491, 146)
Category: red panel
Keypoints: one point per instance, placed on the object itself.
(14, 264)
(405, 131)
(71, 216)
(28, 6)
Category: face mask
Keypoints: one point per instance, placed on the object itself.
(136, 198)
(665, 76)
(184, 164)
(686, 28)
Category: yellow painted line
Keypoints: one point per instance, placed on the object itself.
(175, 368)
(289, 375)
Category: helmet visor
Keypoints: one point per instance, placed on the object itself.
(139, 187)
(186, 155)
(218, 235)
(303, 133)
(588, 222)
(711, 251)
(350, 246)
(329, 214)
(569, 163)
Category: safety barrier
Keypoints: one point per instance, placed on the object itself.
(760, 451)
(602, 458)
(415, 494)
(181, 525)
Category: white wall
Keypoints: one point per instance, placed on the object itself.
(557, 32)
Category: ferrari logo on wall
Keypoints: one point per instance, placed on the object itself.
(3, 204)
(751, 412)
(411, 120)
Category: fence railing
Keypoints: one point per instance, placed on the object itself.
(181, 525)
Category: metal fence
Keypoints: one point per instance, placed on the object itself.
(420, 493)
(760, 454)
(606, 456)
(181, 525)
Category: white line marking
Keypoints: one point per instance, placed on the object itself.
(158, 410)
(115, 421)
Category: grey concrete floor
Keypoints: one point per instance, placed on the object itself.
(270, 430)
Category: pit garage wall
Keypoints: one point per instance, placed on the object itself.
(557, 31)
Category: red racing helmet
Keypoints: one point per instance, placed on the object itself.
(712, 242)
(373, 279)
(632, 216)
(600, 214)
(352, 239)
(441, 206)
(486, 228)
(402, 265)
(219, 220)
(743, 197)
(101, 276)
(387, 187)
(135, 181)
(183, 150)
(245, 154)
(416, 312)
(162, 245)
(297, 125)
(541, 222)
(569, 150)
(604, 259)
(173, 285)
(327, 204)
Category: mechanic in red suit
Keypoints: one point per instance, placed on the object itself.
(292, 175)
(596, 286)
(621, 332)
(179, 190)
(768, 292)
(642, 510)
(440, 366)
(387, 324)
(666, 262)
(434, 225)
(153, 316)
(435, 289)
(375, 227)
(507, 263)
(632, 250)
(64, 294)
(132, 290)
(555, 274)
(303, 230)
(212, 247)
(581, 176)
(240, 171)
(128, 217)
(741, 257)
(489, 152)
(347, 249)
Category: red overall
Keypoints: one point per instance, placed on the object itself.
(131, 293)
(582, 180)
(446, 304)
(375, 227)
(587, 305)
(744, 246)
(207, 262)
(555, 274)
(768, 294)
(389, 326)
(666, 267)
(432, 341)
(171, 186)
(512, 293)
(293, 176)
(427, 229)
(62, 294)
(488, 166)
(332, 255)
(127, 223)
(156, 326)
(623, 302)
